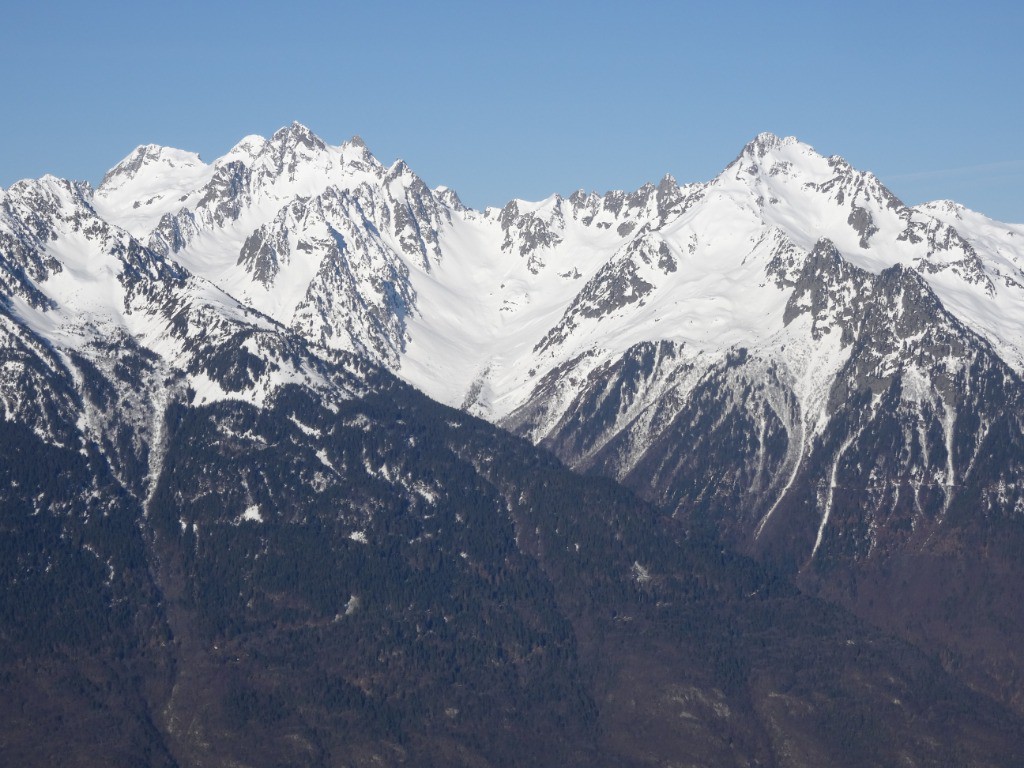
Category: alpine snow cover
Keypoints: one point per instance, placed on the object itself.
(793, 408)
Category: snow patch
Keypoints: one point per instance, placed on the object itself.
(252, 514)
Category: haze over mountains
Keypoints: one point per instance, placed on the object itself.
(785, 361)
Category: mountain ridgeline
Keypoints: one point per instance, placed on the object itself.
(307, 463)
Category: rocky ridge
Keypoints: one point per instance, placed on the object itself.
(786, 359)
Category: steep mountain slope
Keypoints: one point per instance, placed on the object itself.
(322, 237)
(224, 545)
(791, 323)
(365, 258)
(835, 437)
(275, 531)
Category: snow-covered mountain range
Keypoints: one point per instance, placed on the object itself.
(524, 314)
(474, 308)
(786, 356)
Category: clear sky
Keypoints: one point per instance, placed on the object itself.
(522, 99)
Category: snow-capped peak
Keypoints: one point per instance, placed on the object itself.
(585, 272)
(41, 206)
(149, 160)
(944, 207)
(297, 134)
(449, 197)
(245, 150)
(399, 169)
(150, 182)
(357, 158)
(766, 142)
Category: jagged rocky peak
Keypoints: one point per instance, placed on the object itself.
(291, 147)
(48, 187)
(620, 203)
(398, 170)
(668, 195)
(406, 177)
(450, 198)
(267, 247)
(296, 135)
(531, 229)
(767, 155)
(582, 198)
(764, 143)
(584, 204)
(831, 289)
(225, 192)
(283, 153)
(38, 202)
(668, 184)
(626, 213)
(357, 156)
(786, 172)
(507, 214)
(639, 197)
(907, 300)
(824, 258)
(28, 216)
(827, 265)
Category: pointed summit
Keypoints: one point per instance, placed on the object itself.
(357, 156)
(399, 170)
(297, 134)
(450, 198)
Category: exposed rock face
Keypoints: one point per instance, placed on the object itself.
(908, 449)
(700, 343)
(785, 360)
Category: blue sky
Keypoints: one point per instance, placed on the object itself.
(502, 100)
